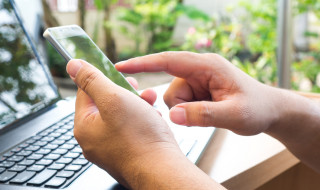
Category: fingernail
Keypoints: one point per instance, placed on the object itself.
(73, 67)
(178, 115)
(120, 63)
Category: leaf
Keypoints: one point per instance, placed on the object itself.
(192, 12)
(98, 4)
(311, 34)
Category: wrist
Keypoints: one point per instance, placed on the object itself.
(141, 169)
(167, 169)
(295, 113)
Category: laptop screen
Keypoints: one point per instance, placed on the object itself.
(24, 85)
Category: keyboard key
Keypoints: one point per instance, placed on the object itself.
(30, 141)
(40, 143)
(55, 182)
(35, 157)
(26, 162)
(74, 168)
(60, 151)
(62, 131)
(36, 137)
(65, 137)
(82, 157)
(47, 139)
(2, 170)
(42, 177)
(69, 133)
(71, 155)
(44, 133)
(50, 146)
(33, 148)
(64, 161)
(50, 130)
(61, 123)
(2, 158)
(72, 141)
(44, 162)
(43, 151)
(54, 127)
(22, 177)
(15, 158)
(80, 162)
(24, 153)
(6, 164)
(55, 134)
(8, 154)
(58, 142)
(17, 149)
(67, 127)
(17, 168)
(35, 168)
(56, 166)
(65, 174)
(77, 150)
(67, 146)
(6, 176)
(24, 145)
(52, 157)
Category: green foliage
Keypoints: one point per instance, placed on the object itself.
(307, 65)
(57, 64)
(103, 4)
(248, 41)
(153, 21)
(302, 6)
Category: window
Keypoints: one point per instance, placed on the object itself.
(67, 5)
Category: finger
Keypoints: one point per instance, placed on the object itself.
(93, 82)
(178, 92)
(180, 64)
(133, 82)
(149, 96)
(85, 108)
(218, 114)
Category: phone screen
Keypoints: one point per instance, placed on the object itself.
(80, 46)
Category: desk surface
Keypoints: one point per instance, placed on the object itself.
(246, 162)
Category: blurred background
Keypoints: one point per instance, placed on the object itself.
(258, 36)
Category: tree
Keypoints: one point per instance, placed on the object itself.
(82, 12)
(105, 7)
(49, 19)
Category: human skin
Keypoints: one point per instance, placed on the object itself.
(209, 91)
(123, 134)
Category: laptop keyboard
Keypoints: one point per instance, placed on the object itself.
(51, 159)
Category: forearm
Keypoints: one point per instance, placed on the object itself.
(298, 126)
(171, 171)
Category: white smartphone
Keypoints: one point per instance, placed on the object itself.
(72, 42)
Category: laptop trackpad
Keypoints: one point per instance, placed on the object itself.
(95, 178)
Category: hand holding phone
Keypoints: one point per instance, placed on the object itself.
(73, 43)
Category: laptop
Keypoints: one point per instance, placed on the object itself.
(37, 147)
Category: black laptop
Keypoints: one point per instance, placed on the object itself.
(37, 146)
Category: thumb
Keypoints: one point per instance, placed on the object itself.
(202, 113)
(92, 81)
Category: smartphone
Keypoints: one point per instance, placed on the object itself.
(72, 42)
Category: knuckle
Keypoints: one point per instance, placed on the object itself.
(205, 114)
(87, 79)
